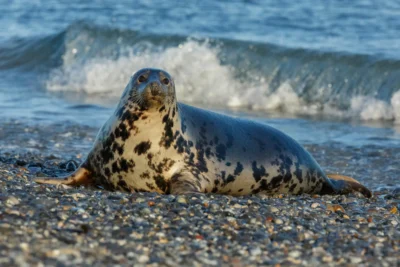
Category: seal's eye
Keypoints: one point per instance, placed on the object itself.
(165, 81)
(142, 79)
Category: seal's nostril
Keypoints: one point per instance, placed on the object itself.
(155, 91)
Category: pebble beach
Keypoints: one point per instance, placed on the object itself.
(58, 226)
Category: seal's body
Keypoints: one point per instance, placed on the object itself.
(153, 143)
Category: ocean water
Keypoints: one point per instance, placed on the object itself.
(326, 73)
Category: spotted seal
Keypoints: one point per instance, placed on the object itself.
(154, 143)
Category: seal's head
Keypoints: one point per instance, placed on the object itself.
(150, 89)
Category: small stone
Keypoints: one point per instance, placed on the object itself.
(145, 211)
(273, 209)
(255, 251)
(327, 258)
(295, 254)
(181, 199)
(394, 210)
(278, 221)
(11, 201)
(24, 246)
(335, 208)
(355, 260)
(215, 207)
(140, 200)
(130, 255)
(315, 205)
(143, 259)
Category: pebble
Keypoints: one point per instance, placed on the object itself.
(295, 254)
(12, 201)
(315, 205)
(273, 209)
(143, 259)
(181, 199)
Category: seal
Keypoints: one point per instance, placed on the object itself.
(153, 143)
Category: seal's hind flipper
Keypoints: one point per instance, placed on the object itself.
(80, 177)
(347, 184)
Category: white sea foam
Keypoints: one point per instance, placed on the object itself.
(202, 78)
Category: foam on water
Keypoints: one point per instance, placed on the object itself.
(202, 78)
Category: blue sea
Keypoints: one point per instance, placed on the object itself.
(325, 72)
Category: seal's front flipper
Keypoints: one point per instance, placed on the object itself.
(346, 184)
(81, 177)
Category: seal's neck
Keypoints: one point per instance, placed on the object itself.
(162, 124)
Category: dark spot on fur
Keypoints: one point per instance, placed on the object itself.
(181, 144)
(208, 152)
(223, 173)
(142, 147)
(129, 117)
(117, 148)
(228, 164)
(107, 171)
(125, 165)
(238, 169)
(161, 183)
(115, 168)
(106, 153)
(145, 175)
(240, 190)
(201, 163)
(176, 134)
(123, 131)
(275, 182)
(122, 184)
(298, 172)
(161, 109)
(167, 137)
(221, 152)
(258, 173)
(230, 178)
(291, 189)
(144, 117)
(150, 186)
